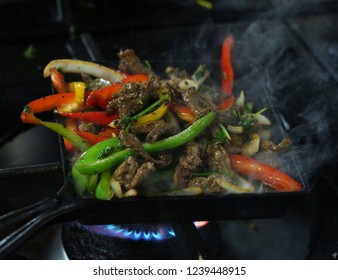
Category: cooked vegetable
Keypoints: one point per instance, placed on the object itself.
(58, 81)
(264, 173)
(79, 90)
(147, 115)
(102, 96)
(50, 102)
(98, 117)
(183, 112)
(86, 67)
(144, 117)
(226, 66)
(104, 190)
(72, 136)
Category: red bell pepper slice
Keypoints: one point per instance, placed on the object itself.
(91, 138)
(183, 112)
(58, 80)
(137, 78)
(28, 117)
(70, 124)
(45, 104)
(108, 131)
(226, 103)
(100, 117)
(101, 97)
(226, 66)
(267, 174)
(227, 72)
(49, 102)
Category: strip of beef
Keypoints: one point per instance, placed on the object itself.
(208, 185)
(130, 63)
(130, 175)
(268, 145)
(228, 117)
(126, 171)
(197, 102)
(188, 164)
(155, 130)
(141, 174)
(218, 158)
(218, 161)
(133, 97)
(130, 140)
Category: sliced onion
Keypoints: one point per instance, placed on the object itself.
(235, 129)
(186, 84)
(187, 191)
(251, 147)
(130, 193)
(116, 187)
(242, 185)
(262, 120)
(85, 67)
(240, 100)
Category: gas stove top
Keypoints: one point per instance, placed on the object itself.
(31, 170)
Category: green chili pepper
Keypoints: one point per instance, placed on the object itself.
(101, 150)
(81, 144)
(103, 190)
(84, 184)
(101, 165)
(183, 137)
(91, 165)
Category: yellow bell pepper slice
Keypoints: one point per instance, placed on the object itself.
(79, 89)
(156, 114)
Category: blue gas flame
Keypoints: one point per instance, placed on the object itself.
(146, 232)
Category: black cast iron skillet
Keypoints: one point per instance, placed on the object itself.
(19, 225)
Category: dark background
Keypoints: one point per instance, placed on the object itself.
(287, 47)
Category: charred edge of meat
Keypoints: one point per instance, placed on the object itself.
(130, 62)
(188, 164)
(218, 158)
(155, 130)
(133, 97)
(208, 185)
(267, 145)
(227, 117)
(130, 174)
(197, 102)
(130, 140)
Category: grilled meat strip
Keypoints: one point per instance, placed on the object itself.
(208, 185)
(130, 63)
(155, 130)
(268, 145)
(188, 164)
(133, 97)
(131, 175)
(130, 140)
(218, 159)
(197, 102)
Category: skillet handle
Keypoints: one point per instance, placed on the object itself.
(17, 226)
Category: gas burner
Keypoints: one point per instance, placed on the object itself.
(136, 232)
(132, 241)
